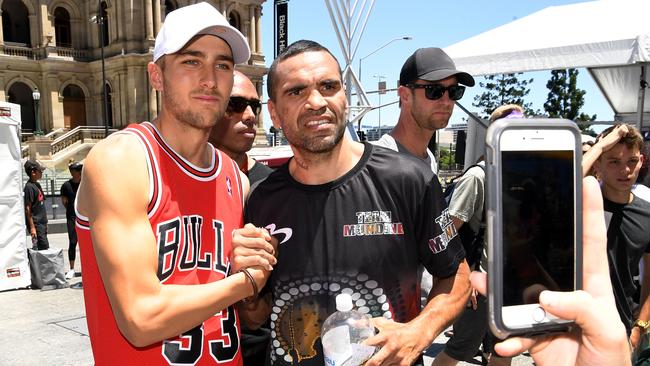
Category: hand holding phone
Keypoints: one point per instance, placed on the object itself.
(601, 339)
(534, 224)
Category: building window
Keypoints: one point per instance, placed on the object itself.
(15, 22)
(21, 93)
(62, 28)
(234, 19)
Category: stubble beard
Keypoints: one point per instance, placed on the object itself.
(316, 145)
(188, 116)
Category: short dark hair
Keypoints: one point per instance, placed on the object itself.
(294, 49)
(632, 139)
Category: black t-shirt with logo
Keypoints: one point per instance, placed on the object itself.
(69, 190)
(366, 233)
(628, 239)
(35, 199)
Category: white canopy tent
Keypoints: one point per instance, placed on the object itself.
(14, 267)
(611, 38)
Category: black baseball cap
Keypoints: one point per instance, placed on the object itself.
(75, 166)
(431, 64)
(31, 165)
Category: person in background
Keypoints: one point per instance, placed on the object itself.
(466, 209)
(641, 188)
(429, 87)
(617, 160)
(350, 217)
(600, 337)
(68, 195)
(234, 134)
(35, 214)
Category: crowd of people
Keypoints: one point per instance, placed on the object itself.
(198, 254)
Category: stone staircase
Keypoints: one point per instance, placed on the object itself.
(58, 147)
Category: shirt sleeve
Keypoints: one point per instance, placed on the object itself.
(464, 201)
(30, 195)
(439, 245)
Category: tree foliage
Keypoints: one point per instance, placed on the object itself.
(565, 99)
(503, 89)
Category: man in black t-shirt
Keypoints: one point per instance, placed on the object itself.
(68, 195)
(618, 161)
(35, 214)
(349, 218)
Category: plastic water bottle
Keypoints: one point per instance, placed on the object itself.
(342, 335)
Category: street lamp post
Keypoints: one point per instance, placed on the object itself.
(37, 97)
(379, 92)
(99, 19)
(405, 38)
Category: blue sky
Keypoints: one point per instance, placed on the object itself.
(431, 23)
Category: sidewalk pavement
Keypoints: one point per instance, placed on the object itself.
(49, 327)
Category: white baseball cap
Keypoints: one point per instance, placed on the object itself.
(182, 24)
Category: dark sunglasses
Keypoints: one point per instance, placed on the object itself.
(239, 104)
(436, 91)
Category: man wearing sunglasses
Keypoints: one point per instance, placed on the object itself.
(235, 132)
(429, 86)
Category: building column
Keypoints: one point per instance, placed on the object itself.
(260, 134)
(258, 29)
(2, 37)
(222, 7)
(252, 30)
(3, 86)
(34, 33)
(76, 34)
(52, 103)
(156, 16)
(148, 16)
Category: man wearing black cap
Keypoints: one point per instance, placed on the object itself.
(429, 86)
(68, 195)
(35, 215)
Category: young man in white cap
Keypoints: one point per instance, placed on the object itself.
(155, 238)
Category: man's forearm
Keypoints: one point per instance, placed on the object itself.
(644, 310)
(254, 314)
(30, 219)
(447, 299)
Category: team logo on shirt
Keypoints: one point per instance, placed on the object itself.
(374, 223)
(285, 232)
(440, 242)
(229, 186)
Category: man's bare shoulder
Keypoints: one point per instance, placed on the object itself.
(120, 153)
(114, 166)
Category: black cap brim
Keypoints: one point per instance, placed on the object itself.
(436, 75)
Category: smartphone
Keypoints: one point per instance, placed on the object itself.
(534, 221)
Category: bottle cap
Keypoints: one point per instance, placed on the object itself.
(343, 302)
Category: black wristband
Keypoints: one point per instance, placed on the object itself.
(253, 283)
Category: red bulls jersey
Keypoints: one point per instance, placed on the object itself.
(192, 212)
